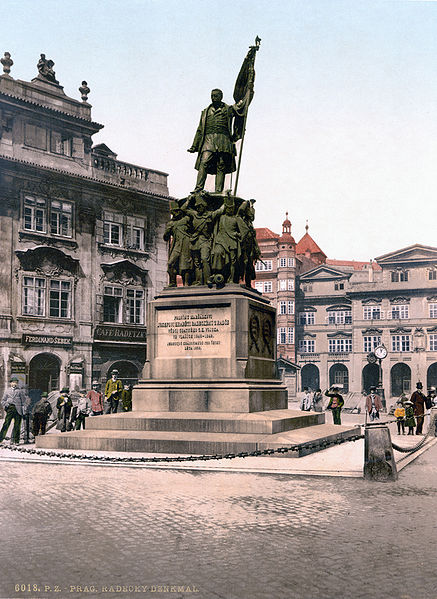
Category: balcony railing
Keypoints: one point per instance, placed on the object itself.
(123, 169)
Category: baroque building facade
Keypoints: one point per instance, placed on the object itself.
(81, 244)
(343, 309)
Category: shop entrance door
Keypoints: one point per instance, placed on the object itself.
(44, 373)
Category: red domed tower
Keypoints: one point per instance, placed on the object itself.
(286, 292)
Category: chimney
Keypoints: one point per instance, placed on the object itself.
(371, 271)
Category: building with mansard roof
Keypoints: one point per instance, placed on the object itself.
(81, 244)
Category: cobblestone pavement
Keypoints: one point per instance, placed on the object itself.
(149, 533)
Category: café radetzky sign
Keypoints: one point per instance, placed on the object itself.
(130, 334)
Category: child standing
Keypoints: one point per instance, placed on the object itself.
(400, 417)
(410, 421)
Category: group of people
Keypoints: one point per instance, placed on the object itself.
(72, 407)
(410, 413)
(314, 402)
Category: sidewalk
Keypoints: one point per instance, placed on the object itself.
(345, 460)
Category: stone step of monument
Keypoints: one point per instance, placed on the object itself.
(194, 443)
(269, 422)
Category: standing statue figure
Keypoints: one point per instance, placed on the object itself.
(45, 69)
(250, 251)
(202, 221)
(230, 229)
(215, 140)
(179, 259)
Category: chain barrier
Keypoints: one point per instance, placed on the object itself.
(192, 458)
(430, 433)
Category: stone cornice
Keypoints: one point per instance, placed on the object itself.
(78, 177)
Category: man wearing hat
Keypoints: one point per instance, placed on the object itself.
(16, 403)
(202, 223)
(112, 392)
(96, 399)
(41, 413)
(431, 399)
(335, 404)
(373, 404)
(64, 405)
(418, 399)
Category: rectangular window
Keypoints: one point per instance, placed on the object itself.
(306, 318)
(60, 299)
(290, 284)
(307, 287)
(35, 137)
(61, 218)
(34, 214)
(338, 286)
(433, 310)
(259, 286)
(432, 275)
(371, 342)
(112, 304)
(113, 228)
(307, 346)
(290, 307)
(400, 343)
(340, 317)
(290, 262)
(61, 144)
(371, 312)
(135, 306)
(282, 308)
(282, 262)
(290, 335)
(282, 285)
(433, 342)
(268, 287)
(135, 230)
(282, 335)
(399, 276)
(34, 296)
(264, 265)
(399, 311)
(337, 346)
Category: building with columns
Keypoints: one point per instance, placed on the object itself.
(81, 240)
(345, 308)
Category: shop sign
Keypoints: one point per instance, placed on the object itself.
(133, 334)
(76, 368)
(46, 340)
(18, 368)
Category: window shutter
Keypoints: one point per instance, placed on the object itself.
(99, 231)
(78, 147)
(99, 307)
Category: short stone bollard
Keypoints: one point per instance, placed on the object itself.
(379, 462)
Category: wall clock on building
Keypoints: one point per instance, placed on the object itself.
(380, 352)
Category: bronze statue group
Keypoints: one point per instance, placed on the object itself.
(72, 408)
(212, 246)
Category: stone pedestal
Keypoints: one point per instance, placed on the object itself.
(210, 351)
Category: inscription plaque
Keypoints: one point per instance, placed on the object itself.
(194, 332)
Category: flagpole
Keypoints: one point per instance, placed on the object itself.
(250, 90)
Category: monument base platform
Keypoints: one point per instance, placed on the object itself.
(204, 396)
(197, 433)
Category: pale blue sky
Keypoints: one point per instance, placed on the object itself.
(343, 127)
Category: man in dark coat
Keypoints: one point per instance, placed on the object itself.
(64, 405)
(41, 413)
(418, 399)
(215, 141)
(16, 403)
